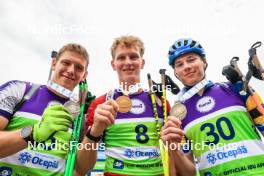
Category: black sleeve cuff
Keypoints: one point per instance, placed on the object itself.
(91, 137)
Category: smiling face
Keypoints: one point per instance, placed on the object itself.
(127, 62)
(69, 69)
(190, 69)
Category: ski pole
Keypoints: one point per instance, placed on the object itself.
(77, 127)
(165, 150)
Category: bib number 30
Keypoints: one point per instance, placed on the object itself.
(214, 131)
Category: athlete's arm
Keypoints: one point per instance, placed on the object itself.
(86, 158)
(180, 163)
(183, 163)
(102, 115)
(11, 93)
(10, 141)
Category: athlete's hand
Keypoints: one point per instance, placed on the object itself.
(54, 118)
(171, 131)
(104, 116)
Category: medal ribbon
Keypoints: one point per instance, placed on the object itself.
(195, 89)
(65, 92)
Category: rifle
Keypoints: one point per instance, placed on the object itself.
(254, 64)
(234, 74)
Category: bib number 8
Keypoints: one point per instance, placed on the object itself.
(141, 136)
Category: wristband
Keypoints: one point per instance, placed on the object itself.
(91, 137)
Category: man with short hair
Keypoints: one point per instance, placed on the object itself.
(41, 119)
(124, 116)
(216, 123)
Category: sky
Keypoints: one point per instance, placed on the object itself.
(31, 29)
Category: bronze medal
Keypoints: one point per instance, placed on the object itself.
(178, 110)
(72, 107)
(124, 103)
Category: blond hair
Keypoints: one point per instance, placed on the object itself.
(74, 47)
(128, 41)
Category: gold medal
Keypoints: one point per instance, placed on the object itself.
(124, 103)
(72, 107)
(178, 110)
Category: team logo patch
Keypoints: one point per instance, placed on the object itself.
(208, 174)
(138, 107)
(118, 164)
(5, 171)
(205, 104)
